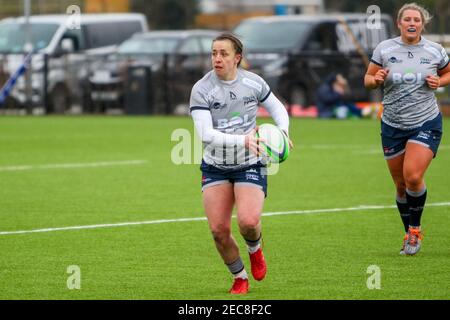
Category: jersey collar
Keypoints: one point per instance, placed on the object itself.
(419, 44)
(227, 83)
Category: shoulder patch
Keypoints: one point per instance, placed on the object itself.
(252, 84)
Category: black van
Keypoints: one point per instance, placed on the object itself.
(294, 54)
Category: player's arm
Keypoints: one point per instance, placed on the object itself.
(278, 113)
(375, 76)
(204, 126)
(444, 76)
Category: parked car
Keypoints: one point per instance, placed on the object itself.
(62, 52)
(175, 59)
(294, 54)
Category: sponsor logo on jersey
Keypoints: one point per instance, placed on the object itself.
(394, 60)
(232, 95)
(407, 78)
(425, 61)
(410, 55)
(252, 171)
(236, 120)
(248, 100)
(217, 105)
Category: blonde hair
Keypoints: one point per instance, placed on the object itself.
(426, 17)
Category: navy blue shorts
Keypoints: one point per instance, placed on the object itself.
(394, 140)
(254, 175)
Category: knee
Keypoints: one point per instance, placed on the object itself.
(248, 223)
(220, 233)
(413, 180)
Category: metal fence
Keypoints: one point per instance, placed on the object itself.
(80, 83)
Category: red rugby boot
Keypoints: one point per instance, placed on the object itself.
(240, 286)
(258, 263)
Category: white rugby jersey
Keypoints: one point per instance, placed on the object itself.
(408, 102)
(232, 106)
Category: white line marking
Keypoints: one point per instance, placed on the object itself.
(72, 165)
(267, 214)
(354, 147)
(371, 152)
(336, 146)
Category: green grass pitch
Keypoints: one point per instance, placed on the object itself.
(45, 182)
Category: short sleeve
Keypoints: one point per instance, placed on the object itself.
(198, 100)
(261, 89)
(265, 91)
(376, 56)
(444, 59)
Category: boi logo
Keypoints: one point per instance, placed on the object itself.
(408, 78)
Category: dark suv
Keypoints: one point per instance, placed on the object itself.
(294, 54)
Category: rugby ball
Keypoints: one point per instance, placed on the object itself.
(275, 144)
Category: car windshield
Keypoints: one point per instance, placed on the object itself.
(148, 46)
(13, 36)
(271, 35)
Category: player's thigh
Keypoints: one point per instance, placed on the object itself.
(422, 146)
(395, 166)
(249, 203)
(218, 201)
(417, 159)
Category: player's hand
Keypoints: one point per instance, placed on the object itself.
(433, 82)
(380, 76)
(253, 143)
(291, 144)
